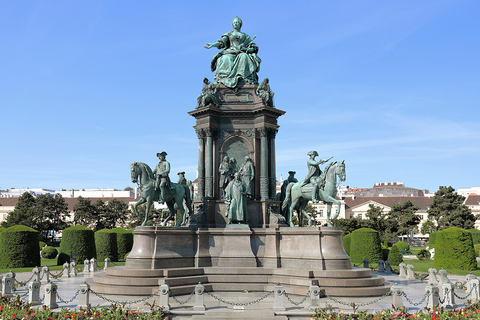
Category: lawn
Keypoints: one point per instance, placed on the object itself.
(52, 264)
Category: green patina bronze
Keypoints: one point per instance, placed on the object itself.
(298, 194)
(236, 201)
(175, 195)
(237, 62)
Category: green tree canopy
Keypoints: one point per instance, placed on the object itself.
(448, 210)
(405, 216)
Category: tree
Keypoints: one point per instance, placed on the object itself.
(25, 213)
(427, 227)
(115, 214)
(348, 225)
(128, 189)
(405, 216)
(448, 210)
(84, 212)
(377, 220)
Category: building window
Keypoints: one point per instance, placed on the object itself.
(320, 213)
(360, 216)
(351, 215)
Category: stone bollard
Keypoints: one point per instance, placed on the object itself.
(164, 296)
(365, 263)
(410, 273)
(448, 295)
(397, 296)
(199, 304)
(86, 266)
(432, 299)
(46, 275)
(83, 295)
(50, 299)
(442, 275)
(36, 274)
(66, 270)
(473, 287)
(278, 304)
(381, 265)
(432, 276)
(314, 297)
(34, 293)
(388, 267)
(1, 282)
(93, 264)
(107, 263)
(402, 267)
(7, 285)
(73, 269)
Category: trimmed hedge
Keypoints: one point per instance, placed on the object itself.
(394, 256)
(347, 239)
(431, 239)
(454, 250)
(365, 243)
(106, 245)
(79, 239)
(42, 244)
(124, 241)
(19, 247)
(477, 249)
(402, 246)
(475, 235)
(49, 253)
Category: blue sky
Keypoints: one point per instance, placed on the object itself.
(88, 87)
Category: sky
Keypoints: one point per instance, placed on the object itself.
(88, 87)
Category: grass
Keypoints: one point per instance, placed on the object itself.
(424, 265)
(52, 264)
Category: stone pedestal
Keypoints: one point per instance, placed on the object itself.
(236, 250)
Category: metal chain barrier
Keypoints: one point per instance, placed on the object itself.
(239, 303)
(67, 302)
(23, 283)
(297, 303)
(468, 295)
(460, 284)
(122, 302)
(425, 296)
(180, 302)
(360, 304)
(440, 298)
(56, 276)
(23, 295)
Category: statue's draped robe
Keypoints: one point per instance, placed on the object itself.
(231, 64)
(235, 195)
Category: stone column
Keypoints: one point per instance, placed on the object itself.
(263, 164)
(201, 165)
(271, 160)
(209, 163)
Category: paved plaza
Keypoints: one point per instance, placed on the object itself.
(215, 309)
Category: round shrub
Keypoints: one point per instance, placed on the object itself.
(49, 253)
(475, 236)
(79, 239)
(431, 239)
(124, 241)
(106, 245)
(424, 254)
(402, 246)
(394, 256)
(454, 250)
(19, 247)
(365, 243)
(42, 244)
(346, 243)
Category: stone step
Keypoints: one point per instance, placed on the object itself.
(124, 290)
(137, 273)
(106, 279)
(180, 281)
(356, 282)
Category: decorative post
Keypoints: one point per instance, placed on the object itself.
(448, 295)
(365, 263)
(442, 274)
(432, 299)
(164, 296)
(66, 270)
(472, 287)
(314, 297)
(46, 275)
(397, 296)
(34, 293)
(263, 164)
(402, 266)
(107, 263)
(388, 267)
(86, 266)
(7, 285)
(84, 295)
(36, 274)
(51, 295)
(73, 269)
(410, 273)
(93, 264)
(201, 164)
(278, 304)
(432, 276)
(209, 163)
(199, 305)
(381, 266)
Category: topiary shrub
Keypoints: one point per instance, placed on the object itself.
(394, 256)
(42, 244)
(19, 247)
(79, 239)
(106, 245)
(49, 253)
(365, 243)
(454, 250)
(423, 254)
(124, 241)
(475, 235)
(402, 246)
(477, 249)
(431, 239)
(346, 243)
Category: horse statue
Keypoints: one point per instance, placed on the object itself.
(143, 175)
(297, 197)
